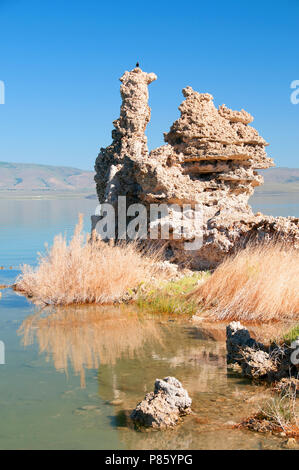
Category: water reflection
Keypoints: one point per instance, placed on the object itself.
(198, 362)
(87, 336)
(129, 352)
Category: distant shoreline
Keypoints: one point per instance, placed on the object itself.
(36, 195)
(281, 191)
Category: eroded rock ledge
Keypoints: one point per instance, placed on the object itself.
(211, 158)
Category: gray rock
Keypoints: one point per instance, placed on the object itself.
(163, 407)
(257, 364)
(255, 359)
(238, 338)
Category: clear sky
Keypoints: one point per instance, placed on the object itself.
(60, 61)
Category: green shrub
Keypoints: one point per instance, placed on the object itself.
(170, 297)
(291, 335)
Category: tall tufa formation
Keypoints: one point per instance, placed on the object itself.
(212, 156)
(114, 165)
(209, 160)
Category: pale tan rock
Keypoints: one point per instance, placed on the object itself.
(114, 165)
(211, 158)
(164, 407)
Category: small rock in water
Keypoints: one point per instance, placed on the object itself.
(84, 409)
(115, 402)
(89, 407)
(163, 407)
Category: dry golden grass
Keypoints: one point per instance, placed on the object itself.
(259, 283)
(85, 271)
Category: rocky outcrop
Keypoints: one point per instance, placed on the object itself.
(257, 364)
(164, 407)
(256, 360)
(210, 162)
(237, 339)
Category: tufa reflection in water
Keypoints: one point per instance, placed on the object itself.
(87, 336)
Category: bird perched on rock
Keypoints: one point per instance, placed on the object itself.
(137, 64)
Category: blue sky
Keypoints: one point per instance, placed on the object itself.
(60, 61)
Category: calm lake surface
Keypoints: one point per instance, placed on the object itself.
(71, 376)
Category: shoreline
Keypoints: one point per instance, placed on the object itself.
(46, 195)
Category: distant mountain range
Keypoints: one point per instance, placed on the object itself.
(281, 175)
(24, 178)
(279, 182)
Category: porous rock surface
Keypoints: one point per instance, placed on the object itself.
(210, 161)
(164, 407)
(237, 339)
(115, 173)
(257, 361)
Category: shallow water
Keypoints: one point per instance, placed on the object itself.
(72, 376)
(277, 204)
(26, 225)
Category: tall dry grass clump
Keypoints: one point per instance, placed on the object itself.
(85, 271)
(259, 283)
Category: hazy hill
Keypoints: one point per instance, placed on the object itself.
(280, 181)
(25, 177)
(281, 175)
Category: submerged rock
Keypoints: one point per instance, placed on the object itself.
(163, 407)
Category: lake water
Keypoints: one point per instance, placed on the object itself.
(277, 204)
(71, 376)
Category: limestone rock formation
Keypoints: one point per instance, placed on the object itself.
(237, 339)
(163, 407)
(114, 165)
(210, 161)
(257, 364)
(257, 361)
